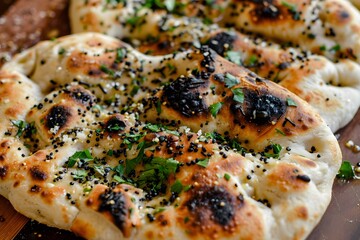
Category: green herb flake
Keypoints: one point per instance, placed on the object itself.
(346, 171)
(292, 8)
(119, 179)
(158, 107)
(135, 90)
(227, 176)
(203, 162)
(119, 55)
(110, 153)
(187, 188)
(61, 51)
(79, 174)
(215, 108)
(276, 149)
(186, 219)
(177, 187)
(253, 60)
(280, 132)
(238, 95)
(322, 48)
(234, 57)
(156, 173)
(21, 125)
(230, 80)
(335, 48)
(106, 70)
(80, 155)
(159, 210)
(290, 102)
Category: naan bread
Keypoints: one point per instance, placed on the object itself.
(74, 158)
(331, 88)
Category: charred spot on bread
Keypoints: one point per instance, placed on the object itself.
(115, 204)
(38, 174)
(57, 117)
(183, 96)
(259, 108)
(266, 9)
(81, 96)
(3, 171)
(221, 204)
(114, 124)
(221, 42)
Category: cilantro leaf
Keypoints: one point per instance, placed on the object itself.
(203, 162)
(80, 155)
(276, 149)
(230, 80)
(280, 132)
(177, 187)
(79, 174)
(21, 125)
(227, 176)
(215, 108)
(291, 102)
(238, 95)
(346, 171)
(107, 70)
(131, 163)
(156, 173)
(234, 57)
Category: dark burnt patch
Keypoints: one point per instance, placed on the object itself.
(38, 174)
(57, 117)
(2, 157)
(114, 125)
(259, 108)
(115, 204)
(183, 96)
(221, 42)
(3, 171)
(265, 9)
(221, 204)
(81, 96)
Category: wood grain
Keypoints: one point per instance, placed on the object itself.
(11, 221)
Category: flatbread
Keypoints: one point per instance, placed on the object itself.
(332, 88)
(73, 158)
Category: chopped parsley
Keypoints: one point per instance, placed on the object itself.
(280, 132)
(156, 173)
(80, 155)
(291, 102)
(276, 149)
(158, 107)
(203, 162)
(106, 70)
(230, 80)
(335, 48)
(23, 126)
(346, 171)
(177, 187)
(120, 54)
(238, 95)
(215, 108)
(227, 176)
(234, 57)
(253, 60)
(292, 8)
